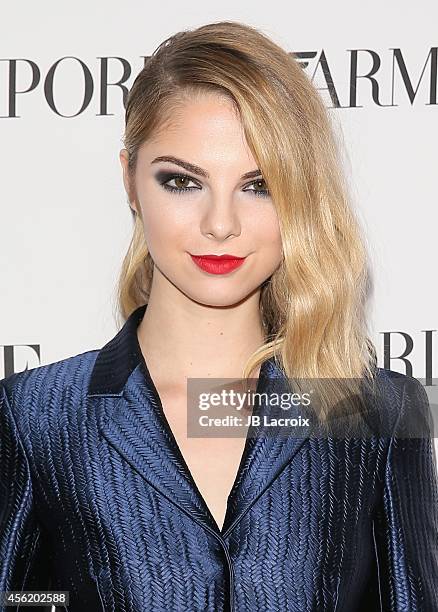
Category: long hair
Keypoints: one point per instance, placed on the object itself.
(313, 306)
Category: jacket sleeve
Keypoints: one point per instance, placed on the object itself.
(406, 525)
(23, 565)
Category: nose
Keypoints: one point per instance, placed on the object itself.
(220, 219)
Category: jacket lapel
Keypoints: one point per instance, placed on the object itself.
(132, 421)
(134, 425)
(268, 448)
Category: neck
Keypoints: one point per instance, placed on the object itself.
(181, 338)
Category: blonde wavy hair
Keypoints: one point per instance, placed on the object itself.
(313, 306)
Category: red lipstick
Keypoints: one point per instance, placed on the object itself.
(218, 264)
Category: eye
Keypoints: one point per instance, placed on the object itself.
(263, 192)
(180, 183)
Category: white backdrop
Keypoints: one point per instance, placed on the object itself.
(65, 223)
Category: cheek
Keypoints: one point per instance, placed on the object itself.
(164, 226)
(265, 230)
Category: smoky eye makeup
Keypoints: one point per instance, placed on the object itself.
(165, 177)
(162, 176)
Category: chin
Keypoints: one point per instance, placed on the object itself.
(223, 298)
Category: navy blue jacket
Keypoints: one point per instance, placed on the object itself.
(96, 499)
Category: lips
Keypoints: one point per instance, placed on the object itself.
(218, 264)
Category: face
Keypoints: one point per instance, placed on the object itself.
(201, 203)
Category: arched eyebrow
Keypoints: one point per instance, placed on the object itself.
(196, 169)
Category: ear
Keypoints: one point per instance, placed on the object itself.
(124, 157)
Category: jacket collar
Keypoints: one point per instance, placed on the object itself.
(118, 358)
(132, 420)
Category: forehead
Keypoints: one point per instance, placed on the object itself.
(200, 112)
(206, 126)
(189, 105)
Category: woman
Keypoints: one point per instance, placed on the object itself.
(228, 151)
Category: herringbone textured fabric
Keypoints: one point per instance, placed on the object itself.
(96, 499)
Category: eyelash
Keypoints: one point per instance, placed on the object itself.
(180, 190)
